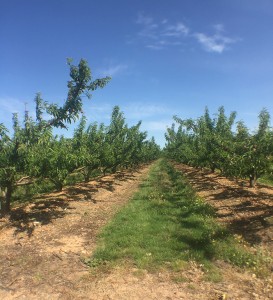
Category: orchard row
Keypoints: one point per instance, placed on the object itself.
(34, 153)
(222, 144)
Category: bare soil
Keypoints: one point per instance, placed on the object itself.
(246, 211)
(43, 246)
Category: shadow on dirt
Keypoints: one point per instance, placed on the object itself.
(245, 211)
(47, 207)
(40, 213)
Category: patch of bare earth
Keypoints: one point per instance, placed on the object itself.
(43, 245)
(246, 211)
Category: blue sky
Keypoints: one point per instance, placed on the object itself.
(165, 57)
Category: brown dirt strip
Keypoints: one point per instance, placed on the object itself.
(246, 211)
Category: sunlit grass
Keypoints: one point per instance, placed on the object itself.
(266, 179)
(166, 224)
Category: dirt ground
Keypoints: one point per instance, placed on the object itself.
(246, 211)
(44, 244)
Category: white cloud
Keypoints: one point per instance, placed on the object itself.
(176, 30)
(156, 125)
(134, 112)
(113, 70)
(143, 110)
(98, 113)
(148, 26)
(219, 27)
(154, 47)
(160, 35)
(11, 105)
(101, 108)
(144, 20)
(215, 43)
(163, 34)
(164, 21)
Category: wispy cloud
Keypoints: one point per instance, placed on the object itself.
(11, 105)
(155, 46)
(219, 27)
(113, 70)
(98, 112)
(211, 43)
(106, 107)
(144, 20)
(148, 27)
(159, 35)
(162, 34)
(148, 114)
(134, 111)
(143, 110)
(217, 42)
(160, 126)
(177, 30)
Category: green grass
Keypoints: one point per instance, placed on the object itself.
(165, 225)
(266, 179)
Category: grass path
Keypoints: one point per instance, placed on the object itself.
(166, 224)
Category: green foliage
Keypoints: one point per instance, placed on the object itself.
(254, 153)
(108, 148)
(86, 145)
(79, 84)
(39, 156)
(211, 143)
(54, 160)
(18, 152)
(32, 152)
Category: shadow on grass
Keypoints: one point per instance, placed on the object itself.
(244, 210)
(197, 230)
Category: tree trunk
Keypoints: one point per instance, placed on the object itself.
(213, 168)
(6, 199)
(1, 202)
(58, 185)
(252, 180)
(115, 168)
(86, 178)
(104, 171)
(87, 175)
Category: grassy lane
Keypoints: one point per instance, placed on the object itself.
(165, 225)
